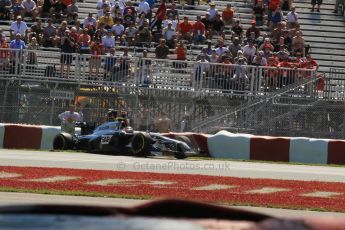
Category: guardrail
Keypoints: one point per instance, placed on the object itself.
(120, 70)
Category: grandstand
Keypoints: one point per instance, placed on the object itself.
(208, 104)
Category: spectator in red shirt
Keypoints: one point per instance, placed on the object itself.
(160, 16)
(309, 64)
(185, 30)
(181, 55)
(287, 74)
(228, 15)
(96, 49)
(198, 31)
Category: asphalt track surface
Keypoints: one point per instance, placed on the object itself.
(160, 165)
(170, 165)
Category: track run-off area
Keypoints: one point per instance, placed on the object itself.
(215, 181)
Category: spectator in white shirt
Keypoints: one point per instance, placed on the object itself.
(249, 51)
(169, 34)
(108, 41)
(18, 27)
(89, 20)
(101, 3)
(292, 18)
(144, 7)
(30, 9)
(118, 30)
(212, 11)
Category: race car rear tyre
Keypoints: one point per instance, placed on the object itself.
(63, 141)
(185, 140)
(141, 145)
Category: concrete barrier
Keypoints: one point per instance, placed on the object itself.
(284, 149)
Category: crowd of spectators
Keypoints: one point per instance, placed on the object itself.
(273, 39)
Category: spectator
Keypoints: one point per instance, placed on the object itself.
(292, 18)
(102, 11)
(58, 11)
(89, 20)
(169, 35)
(49, 33)
(145, 8)
(238, 30)
(36, 31)
(277, 33)
(277, 17)
(69, 118)
(110, 67)
(313, 3)
(128, 18)
(272, 6)
(140, 20)
(336, 7)
(249, 51)
(221, 48)
(259, 12)
(162, 50)
(266, 45)
(259, 59)
(203, 54)
(29, 9)
(67, 48)
(130, 35)
(5, 9)
(108, 41)
(129, 9)
(173, 21)
(101, 3)
(118, 30)
(159, 17)
(286, 75)
(107, 20)
(201, 68)
(96, 50)
(310, 63)
(144, 35)
(181, 55)
(240, 73)
(16, 56)
(253, 33)
(19, 27)
(198, 31)
(84, 41)
(208, 25)
(145, 73)
(283, 53)
(172, 12)
(212, 11)
(77, 27)
(235, 46)
(228, 15)
(185, 30)
(218, 26)
(32, 47)
(298, 44)
(125, 64)
(4, 54)
(72, 12)
(17, 9)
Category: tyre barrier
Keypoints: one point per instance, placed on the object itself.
(283, 149)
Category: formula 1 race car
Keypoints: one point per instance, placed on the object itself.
(113, 137)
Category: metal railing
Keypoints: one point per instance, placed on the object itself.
(106, 70)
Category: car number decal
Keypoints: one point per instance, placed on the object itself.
(105, 139)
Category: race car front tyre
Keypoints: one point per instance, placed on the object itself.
(63, 141)
(141, 145)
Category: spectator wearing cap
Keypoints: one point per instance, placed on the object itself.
(238, 30)
(107, 20)
(228, 15)
(283, 53)
(235, 46)
(32, 47)
(72, 12)
(49, 33)
(292, 18)
(36, 30)
(169, 34)
(249, 51)
(266, 45)
(185, 30)
(259, 59)
(20, 27)
(212, 11)
(89, 20)
(253, 32)
(162, 50)
(108, 41)
(198, 31)
(29, 9)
